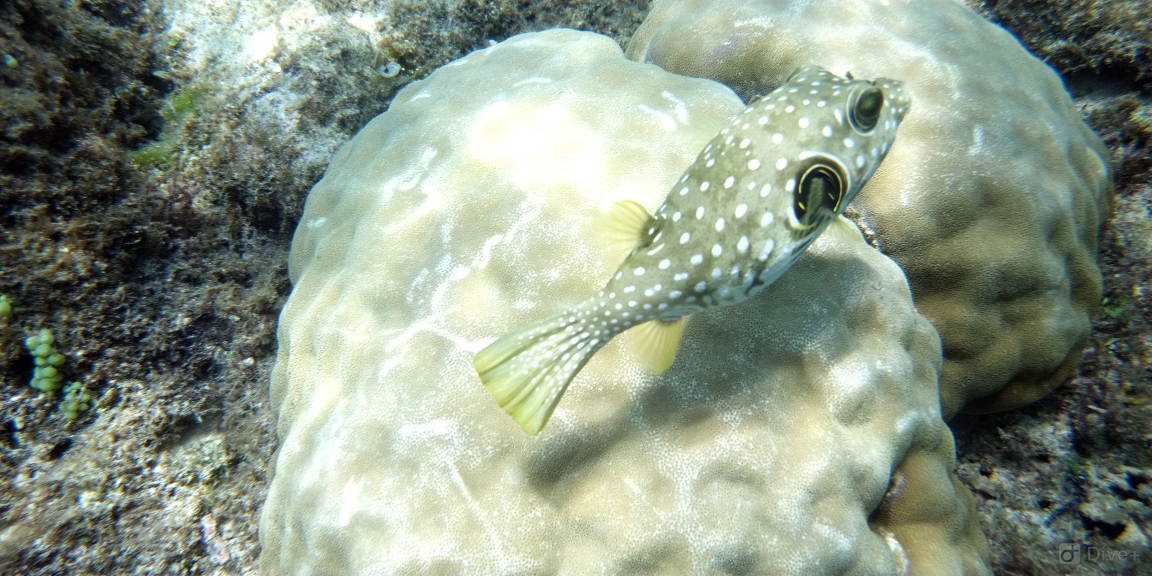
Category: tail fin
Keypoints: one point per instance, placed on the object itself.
(528, 370)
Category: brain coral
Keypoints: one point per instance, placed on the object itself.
(992, 199)
(797, 433)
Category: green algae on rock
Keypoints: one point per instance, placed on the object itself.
(993, 199)
(800, 432)
(46, 375)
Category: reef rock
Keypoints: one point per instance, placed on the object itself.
(992, 198)
(799, 432)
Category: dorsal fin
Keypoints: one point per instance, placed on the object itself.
(654, 343)
(623, 226)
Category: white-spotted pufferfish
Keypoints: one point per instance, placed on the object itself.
(753, 200)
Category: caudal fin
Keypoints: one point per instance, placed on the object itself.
(528, 370)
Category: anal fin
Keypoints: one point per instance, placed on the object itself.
(654, 343)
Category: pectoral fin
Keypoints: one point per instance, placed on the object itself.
(623, 227)
(842, 228)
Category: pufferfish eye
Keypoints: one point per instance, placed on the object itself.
(865, 111)
(819, 186)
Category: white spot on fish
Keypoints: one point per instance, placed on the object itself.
(710, 163)
(675, 294)
(762, 121)
(777, 138)
(716, 272)
(719, 224)
(676, 216)
(860, 161)
(768, 247)
(704, 186)
(790, 185)
(741, 210)
(789, 108)
(699, 212)
(753, 164)
(665, 263)
(744, 143)
(728, 182)
(827, 131)
(767, 219)
(701, 286)
(717, 250)
(849, 143)
(685, 237)
(766, 190)
(683, 191)
(803, 121)
(639, 271)
(782, 163)
(629, 289)
(742, 245)
(696, 259)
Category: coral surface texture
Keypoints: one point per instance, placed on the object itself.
(799, 432)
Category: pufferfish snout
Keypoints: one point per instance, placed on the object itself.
(754, 199)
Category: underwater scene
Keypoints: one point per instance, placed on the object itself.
(662, 287)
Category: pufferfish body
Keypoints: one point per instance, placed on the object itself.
(754, 199)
